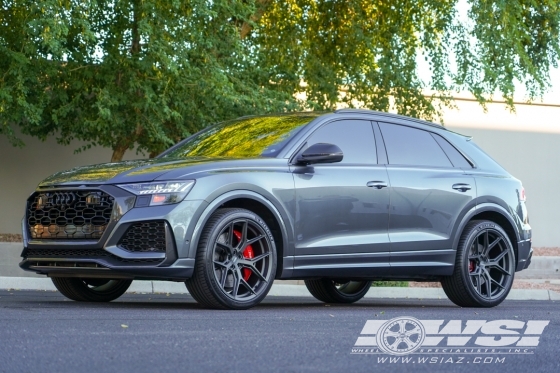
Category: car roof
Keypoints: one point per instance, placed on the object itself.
(389, 116)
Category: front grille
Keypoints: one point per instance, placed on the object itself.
(148, 236)
(82, 214)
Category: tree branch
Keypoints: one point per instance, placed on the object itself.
(247, 27)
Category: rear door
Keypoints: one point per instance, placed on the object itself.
(429, 192)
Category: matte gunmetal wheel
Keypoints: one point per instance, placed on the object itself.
(484, 268)
(235, 262)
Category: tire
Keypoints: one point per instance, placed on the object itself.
(331, 291)
(235, 262)
(484, 266)
(91, 290)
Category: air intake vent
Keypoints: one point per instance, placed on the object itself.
(144, 237)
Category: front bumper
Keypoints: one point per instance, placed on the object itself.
(106, 258)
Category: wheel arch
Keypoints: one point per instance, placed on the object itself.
(496, 214)
(259, 205)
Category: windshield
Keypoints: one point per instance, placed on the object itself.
(262, 136)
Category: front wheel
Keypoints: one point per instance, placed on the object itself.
(91, 289)
(484, 267)
(235, 262)
(336, 291)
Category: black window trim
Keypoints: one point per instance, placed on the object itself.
(450, 144)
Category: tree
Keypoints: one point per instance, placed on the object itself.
(146, 73)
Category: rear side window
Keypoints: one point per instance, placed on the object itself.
(412, 146)
(354, 137)
(454, 156)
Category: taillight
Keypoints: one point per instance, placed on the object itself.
(522, 196)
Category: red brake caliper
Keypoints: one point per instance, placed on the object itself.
(248, 253)
(471, 265)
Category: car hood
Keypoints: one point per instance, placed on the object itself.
(124, 172)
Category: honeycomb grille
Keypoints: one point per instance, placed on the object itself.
(82, 214)
(147, 236)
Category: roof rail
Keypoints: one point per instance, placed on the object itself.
(385, 114)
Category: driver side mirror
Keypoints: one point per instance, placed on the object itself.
(320, 153)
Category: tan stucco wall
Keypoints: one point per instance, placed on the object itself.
(21, 169)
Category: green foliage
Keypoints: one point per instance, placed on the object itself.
(124, 73)
(391, 284)
(146, 73)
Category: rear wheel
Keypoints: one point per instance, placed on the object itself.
(235, 262)
(484, 267)
(91, 289)
(337, 291)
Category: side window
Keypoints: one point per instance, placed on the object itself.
(412, 146)
(354, 137)
(453, 154)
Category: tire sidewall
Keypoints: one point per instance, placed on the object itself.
(351, 298)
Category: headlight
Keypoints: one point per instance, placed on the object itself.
(160, 193)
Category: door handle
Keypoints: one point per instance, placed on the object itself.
(461, 187)
(377, 184)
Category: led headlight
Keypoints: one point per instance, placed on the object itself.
(160, 193)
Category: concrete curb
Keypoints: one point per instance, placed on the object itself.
(278, 289)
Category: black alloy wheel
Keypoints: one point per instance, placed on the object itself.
(91, 289)
(484, 268)
(236, 261)
(337, 291)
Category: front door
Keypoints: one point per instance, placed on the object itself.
(342, 208)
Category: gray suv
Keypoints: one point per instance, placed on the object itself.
(338, 200)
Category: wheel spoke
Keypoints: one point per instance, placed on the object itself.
(395, 344)
(402, 326)
(389, 333)
(246, 284)
(488, 284)
(499, 268)
(242, 241)
(497, 283)
(257, 273)
(499, 257)
(416, 330)
(224, 247)
(236, 282)
(259, 258)
(494, 243)
(222, 264)
(230, 235)
(223, 277)
(486, 243)
(408, 342)
(253, 240)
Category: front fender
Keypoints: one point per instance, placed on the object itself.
(280, 215)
